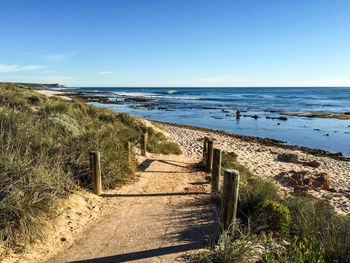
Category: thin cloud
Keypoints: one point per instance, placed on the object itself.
(60, 56)
(106, 72)
(7, 68)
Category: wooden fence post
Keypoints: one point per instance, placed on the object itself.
(205, 150)
(128, 150)
(95, 165)
(216, 171)
(144, 138)
(210, 155)
(230, 199)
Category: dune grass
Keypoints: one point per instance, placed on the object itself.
(310, 228)
(45, 144)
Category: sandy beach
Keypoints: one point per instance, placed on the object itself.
(262, 161)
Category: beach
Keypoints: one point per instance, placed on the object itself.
(260, 156)
(262, 161)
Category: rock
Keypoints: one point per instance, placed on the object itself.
(63, 239)
(288, 157)
(314, 164)
(138, 99)
(305, 181)
(323, 181)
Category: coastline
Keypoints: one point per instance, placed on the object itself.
(315, 136)
(263, 141)
(324, 176)
(260, 156)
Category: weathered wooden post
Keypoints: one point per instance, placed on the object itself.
(128, 150)
(144, 138)
(230, 199)
(95, 165)
(216, 171)
(205, 151)
(210, 155)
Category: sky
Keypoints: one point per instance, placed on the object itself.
(176, 43)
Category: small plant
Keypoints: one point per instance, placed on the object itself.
(158, 143)
(277, 217)
(300, 251)
(229, 250)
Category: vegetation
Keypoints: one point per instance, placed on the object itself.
(44, 149)
(310, 229)
(300, 251)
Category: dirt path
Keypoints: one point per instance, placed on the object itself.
(161, 217)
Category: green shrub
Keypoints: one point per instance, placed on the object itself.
(55, 105)
(158, 143)
(228, 250)
(300, 251)
(317, 221)
(276, 217)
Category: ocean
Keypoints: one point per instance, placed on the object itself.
(216, 108)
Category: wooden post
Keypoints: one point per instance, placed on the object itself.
(128, 150)
(205, 150)
(216, 171)
(144, 138)
(210, 155)
(95, 165)
(230, 199)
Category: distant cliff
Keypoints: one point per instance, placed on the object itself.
(40, 85)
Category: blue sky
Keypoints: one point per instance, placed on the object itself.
(176, 42)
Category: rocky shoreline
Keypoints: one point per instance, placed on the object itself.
(294, 169)
(264, 141)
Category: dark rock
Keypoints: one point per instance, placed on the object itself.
(314, 164)
(304, 180)
(323, 181)
(288, 158)
(136, 100)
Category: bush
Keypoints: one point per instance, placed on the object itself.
(300, 251)
(317, 221)
(228, 250)
(158, 143)
(276, 217)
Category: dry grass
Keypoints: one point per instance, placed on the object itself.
(44, 145)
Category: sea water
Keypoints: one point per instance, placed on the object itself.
(216, 107)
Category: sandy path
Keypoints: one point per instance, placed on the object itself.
(162, 216)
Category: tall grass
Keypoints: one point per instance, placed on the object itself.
(44, 147)
(315, 231)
